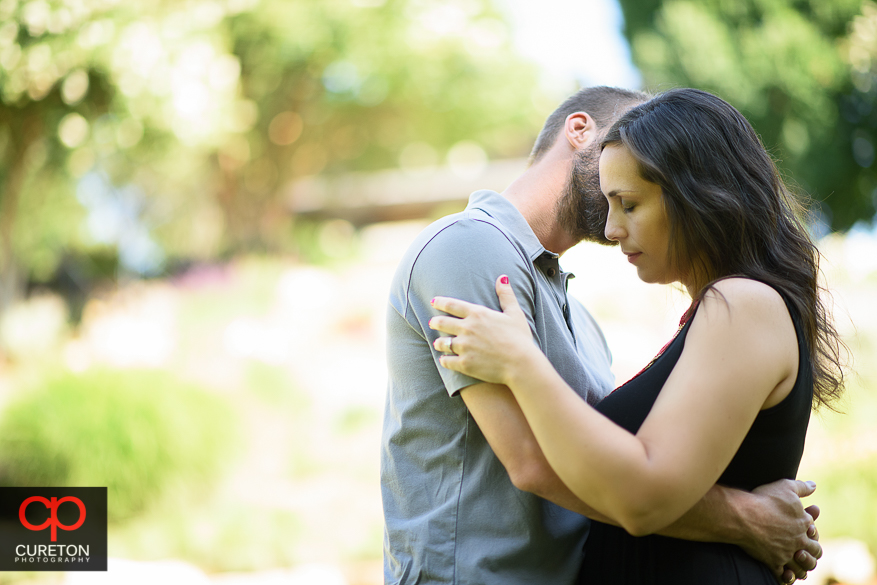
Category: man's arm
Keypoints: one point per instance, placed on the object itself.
(503, 425)
(769, 523)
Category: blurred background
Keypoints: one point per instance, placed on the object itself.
(202, 203)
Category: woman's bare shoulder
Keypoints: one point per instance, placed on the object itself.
(744, 293)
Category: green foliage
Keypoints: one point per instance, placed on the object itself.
(845, 494)
(216, 536)
(198, 114)
(140, 433)
(274, 386)
(355, 419)
(803, 72)
(322, 243)
(846, 472)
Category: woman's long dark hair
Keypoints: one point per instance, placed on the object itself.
(729, 212)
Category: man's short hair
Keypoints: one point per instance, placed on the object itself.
(603, 104)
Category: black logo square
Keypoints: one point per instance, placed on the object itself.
(53, 529)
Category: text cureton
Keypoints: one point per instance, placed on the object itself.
(51, 550)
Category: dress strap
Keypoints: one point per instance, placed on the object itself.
(686, 317)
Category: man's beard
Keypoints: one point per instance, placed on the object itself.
(582, 209)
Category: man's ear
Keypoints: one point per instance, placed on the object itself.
(580, 129)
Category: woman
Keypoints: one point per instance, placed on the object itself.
(694, 199)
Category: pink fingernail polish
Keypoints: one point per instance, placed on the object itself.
(432, 302)
(504, 280)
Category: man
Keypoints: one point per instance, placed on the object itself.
(468, 496)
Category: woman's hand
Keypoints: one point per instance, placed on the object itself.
(486, 344)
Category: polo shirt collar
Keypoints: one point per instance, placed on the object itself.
(501, 209)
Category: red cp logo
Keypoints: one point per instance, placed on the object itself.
(52, 506)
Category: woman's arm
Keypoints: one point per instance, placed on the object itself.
(741, 351)
(770, 524)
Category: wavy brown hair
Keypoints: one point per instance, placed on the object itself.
(729, 211)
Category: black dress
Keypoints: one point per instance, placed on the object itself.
(770, 451)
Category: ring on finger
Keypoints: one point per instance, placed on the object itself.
(451, 345)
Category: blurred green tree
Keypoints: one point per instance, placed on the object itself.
(44, 76)
(353, 85)
(803, 71)
(173, 129)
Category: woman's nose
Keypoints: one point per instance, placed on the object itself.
(613, 230)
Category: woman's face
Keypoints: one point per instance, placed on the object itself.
(637, 218)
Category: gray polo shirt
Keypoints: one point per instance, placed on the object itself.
(451, 512)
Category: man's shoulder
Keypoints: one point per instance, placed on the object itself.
(459, 255)
(470, 224)
(461, 238)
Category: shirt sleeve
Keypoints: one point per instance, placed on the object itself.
(463, 261)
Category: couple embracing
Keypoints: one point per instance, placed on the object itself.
(508, 458)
